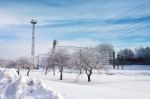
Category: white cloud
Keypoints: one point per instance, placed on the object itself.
(81, 42)
(7, 18)
(14, 49)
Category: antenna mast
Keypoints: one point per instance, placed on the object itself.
(33, 22)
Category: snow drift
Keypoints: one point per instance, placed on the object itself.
(13, 86)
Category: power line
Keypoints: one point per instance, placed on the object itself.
(109, 27)
(127, 27)
(120, 15)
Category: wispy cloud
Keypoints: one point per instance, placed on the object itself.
(73, 22)
(95, 22)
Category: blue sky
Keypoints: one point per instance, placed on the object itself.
(123, 23)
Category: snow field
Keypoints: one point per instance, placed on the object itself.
(113, 84)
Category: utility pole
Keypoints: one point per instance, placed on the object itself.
(52, 53)
(114, 59)
(33, 22)
(54, 44)
(118, 61)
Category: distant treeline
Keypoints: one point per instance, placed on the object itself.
(138, 56)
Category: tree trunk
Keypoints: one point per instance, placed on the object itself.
(46, 70)
(18, 71)
(89, 73)
(89, 78)
(53, 71)
(113, 59)
(61, 75)
(118, 66)
(122, 66)
(28, 71)
(114, 66)
(80, 71)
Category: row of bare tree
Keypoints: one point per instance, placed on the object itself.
(137, 56)
(84, 60)
(20, 63)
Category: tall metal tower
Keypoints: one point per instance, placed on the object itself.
(33, 22)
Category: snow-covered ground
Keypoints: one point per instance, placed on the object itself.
(13, 86)
(131, 83)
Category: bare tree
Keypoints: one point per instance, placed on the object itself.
(96, 58)
(3, 62)
(50, 63)
(24, 63)
(90, 60)
(61, 60)
(76, 60)
(106, 50)
(126, 53)
(143, 54)
(11, 64)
